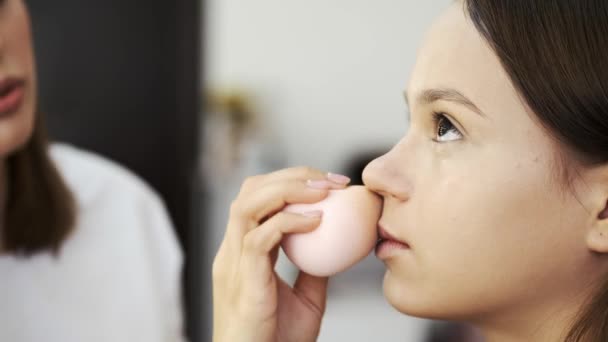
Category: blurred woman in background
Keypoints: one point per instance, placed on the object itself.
(495, 201)
(87, 249)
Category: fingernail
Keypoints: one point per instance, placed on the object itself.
(318, 184)
(340, 179)
(315, 213)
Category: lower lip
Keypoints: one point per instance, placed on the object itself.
(11, 102)
(389, 248)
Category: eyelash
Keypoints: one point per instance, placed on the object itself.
(438, 118)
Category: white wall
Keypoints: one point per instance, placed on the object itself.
(328, 78)
(328, 74)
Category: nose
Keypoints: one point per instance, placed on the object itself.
(386, 177)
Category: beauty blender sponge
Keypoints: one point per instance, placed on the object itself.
(347, 233)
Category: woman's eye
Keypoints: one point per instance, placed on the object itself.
(445, 130)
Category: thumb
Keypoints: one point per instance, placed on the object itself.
(313, 289)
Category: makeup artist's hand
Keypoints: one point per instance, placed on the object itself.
(250, 302)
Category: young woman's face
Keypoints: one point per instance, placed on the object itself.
(475, 195)
(17, 77)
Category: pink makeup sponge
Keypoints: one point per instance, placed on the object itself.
(347, 233)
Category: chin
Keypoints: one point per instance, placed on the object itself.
(16, 130)
(411, 301)
(423, 301)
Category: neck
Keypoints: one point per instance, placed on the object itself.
(536, 320)
(553, 329)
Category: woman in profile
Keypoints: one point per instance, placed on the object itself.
(87, 249)
(495, 200)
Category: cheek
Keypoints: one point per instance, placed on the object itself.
(499, 204)
(19, 39)
(480, 227)
(488, 200)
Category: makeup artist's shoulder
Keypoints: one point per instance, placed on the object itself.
(93, 178)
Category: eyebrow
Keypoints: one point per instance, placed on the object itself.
(429, 96)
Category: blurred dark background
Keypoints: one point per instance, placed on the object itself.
(121, 77)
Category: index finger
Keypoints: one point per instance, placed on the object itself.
(297, 173)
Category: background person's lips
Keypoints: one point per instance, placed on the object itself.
(11, 95)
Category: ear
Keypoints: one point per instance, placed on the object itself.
(597, 237)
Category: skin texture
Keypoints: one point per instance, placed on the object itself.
(496, 239)
(17, 60)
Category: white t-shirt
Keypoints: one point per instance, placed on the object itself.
(117, 277)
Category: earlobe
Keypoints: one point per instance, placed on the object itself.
(597, 238)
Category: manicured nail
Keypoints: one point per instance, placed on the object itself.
(315, 213)
(318, 184)
(340, 179)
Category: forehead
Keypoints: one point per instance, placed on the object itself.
(454, 55)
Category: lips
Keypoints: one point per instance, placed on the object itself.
(9, 83)
(384, 235)
(11, 94)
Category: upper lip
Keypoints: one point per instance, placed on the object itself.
(7, 83)
(385, 235)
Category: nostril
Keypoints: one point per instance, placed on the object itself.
(382, 193)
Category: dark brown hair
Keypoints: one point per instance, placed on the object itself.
(39, 210)
(554, 52)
